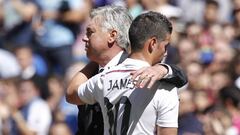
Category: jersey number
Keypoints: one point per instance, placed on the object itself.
(113, 120)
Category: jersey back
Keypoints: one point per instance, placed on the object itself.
(130, 110)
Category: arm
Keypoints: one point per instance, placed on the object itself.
(17, 116)
(21, 124)
(87, 72)
(26, 10)
(166, 131)
(168, 73)
(178, 78)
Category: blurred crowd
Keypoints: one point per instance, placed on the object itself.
(41, 49)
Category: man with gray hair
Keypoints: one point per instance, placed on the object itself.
(107, 44)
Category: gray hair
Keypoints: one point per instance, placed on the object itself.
(117, 18)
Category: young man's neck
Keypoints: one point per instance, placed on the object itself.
(140, 56)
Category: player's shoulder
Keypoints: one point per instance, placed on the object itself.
(121, 68)
(165, 87)
(166, 92)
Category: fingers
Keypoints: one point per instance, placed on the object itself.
(147, 76)
(151, 82)
(136, 74)
(141, 77)
(148, 82)
(138, 82)
(143, 81)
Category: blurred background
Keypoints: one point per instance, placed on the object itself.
(41, 49)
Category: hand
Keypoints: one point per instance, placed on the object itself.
(147, 76)
(4, 111)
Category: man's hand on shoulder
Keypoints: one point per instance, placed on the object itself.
(147, 76)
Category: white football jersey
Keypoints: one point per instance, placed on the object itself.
(130, 110)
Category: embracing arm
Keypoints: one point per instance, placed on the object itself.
(81, 77)
(169, 73)
(178, 77)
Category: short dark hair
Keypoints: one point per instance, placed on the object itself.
(231, 93)
(212, 2)
(147, 25)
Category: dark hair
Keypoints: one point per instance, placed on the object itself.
(231, 93)
(212, 2)
(147, 25)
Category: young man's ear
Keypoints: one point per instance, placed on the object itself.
(152, 44)
(112, 36)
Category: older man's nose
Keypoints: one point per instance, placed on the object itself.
(85, 39)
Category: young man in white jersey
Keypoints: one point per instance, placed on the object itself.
(127, 109)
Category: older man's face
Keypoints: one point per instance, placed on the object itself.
(96, 40)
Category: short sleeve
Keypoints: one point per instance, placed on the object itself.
(168, 108)
(89, 92)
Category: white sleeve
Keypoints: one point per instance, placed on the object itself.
(39, 118)
(89, 92)
(167, 108)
